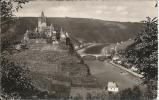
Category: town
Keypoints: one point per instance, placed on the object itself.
(78, 50)
(48, 41)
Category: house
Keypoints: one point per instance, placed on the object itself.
(119, 62)
(107, 52)
(115, 57)
(18, 47)
(76, 47)
(133, 68)
(112, 87)
(128, 65)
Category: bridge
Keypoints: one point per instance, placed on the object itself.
(95, 55)
(83, 54)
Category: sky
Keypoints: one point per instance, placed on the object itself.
(112, 10)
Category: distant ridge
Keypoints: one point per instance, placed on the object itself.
(85, 29)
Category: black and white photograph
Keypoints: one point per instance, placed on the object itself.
(79, 49)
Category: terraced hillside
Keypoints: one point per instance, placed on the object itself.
(54, 70)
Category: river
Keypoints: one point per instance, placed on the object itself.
(105, 71)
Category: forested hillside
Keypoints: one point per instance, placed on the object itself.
(89, 30)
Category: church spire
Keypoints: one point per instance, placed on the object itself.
(51, 27)
(27, 31)
(42, 14)
(42, 19)
(67, 34)
(61, 30)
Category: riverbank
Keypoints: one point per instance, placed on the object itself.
(128, 70)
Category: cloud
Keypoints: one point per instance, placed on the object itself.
(120, 8)
(106, 10)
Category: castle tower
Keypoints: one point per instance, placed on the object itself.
(26, 37)
(50, 31)
(36, 30)
(41, 21)
(105, 52)
(62, 35)
(67, 34)
(51, 27)
(115, 48)
(61, 30)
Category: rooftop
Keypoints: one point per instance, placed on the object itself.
(112, 85)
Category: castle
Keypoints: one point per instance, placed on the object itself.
(47, 32)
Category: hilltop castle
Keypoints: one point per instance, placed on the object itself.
(47, 32)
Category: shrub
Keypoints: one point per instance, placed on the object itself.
(15, 77)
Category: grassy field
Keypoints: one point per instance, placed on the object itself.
(84, 92)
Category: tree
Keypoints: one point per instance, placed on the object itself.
(10, 6)
(15, 77)
(71, 49)
(70, 44)
(130, 94)
(14, 80)
(143, 52)
(7, 8)
(89, 96)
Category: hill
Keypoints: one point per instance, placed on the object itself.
(84, 29)
(54, 71)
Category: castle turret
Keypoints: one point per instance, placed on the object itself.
(36, 29)
(51, 27)
(62, 35)
(67, 34)
(50, 31)
(115, 48)
(42, 18)
(26, 37)
(61, 30)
